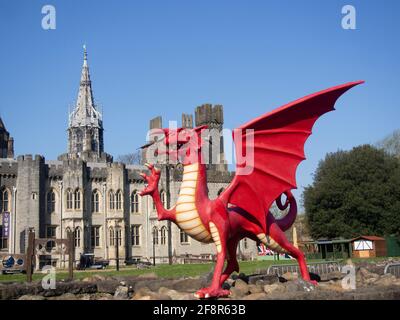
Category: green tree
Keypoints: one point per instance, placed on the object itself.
(354, 192)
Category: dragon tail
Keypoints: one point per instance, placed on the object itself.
(287, 221)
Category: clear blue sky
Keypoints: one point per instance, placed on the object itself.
(150, 58)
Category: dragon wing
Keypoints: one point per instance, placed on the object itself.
(277, 141)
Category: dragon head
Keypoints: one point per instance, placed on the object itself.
(180, 144)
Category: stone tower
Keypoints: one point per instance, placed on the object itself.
(6, 142)
(213, 117)
(148, 152)
(85, 130)
(31, 199)
(187, 121)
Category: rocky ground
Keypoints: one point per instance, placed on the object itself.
(371, 283)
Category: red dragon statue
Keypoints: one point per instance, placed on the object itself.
(242, 209)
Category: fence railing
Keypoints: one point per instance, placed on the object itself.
(317, 268)
(393, 268)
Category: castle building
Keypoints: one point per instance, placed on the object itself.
(85, 192)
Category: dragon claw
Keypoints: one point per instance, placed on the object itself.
(207, 293)
(151, 180)
(148, 165)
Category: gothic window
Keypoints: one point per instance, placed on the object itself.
(119, 200)
(95, 201)
(155, 235)
(79, 140)
(184, 237)
(163, 197)
(135, 234)
(77, 237)
(4, 200)
(95, 236)
(51, 201)
(163, 235)
(112, 236)
(79, 135)
(77, 202)
(112, 200)
(135, 202)
(94, 144)
(69, 199)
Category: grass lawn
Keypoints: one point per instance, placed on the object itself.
(163, 271)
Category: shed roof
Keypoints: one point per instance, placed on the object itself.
(371, 238)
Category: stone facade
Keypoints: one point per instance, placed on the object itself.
(87, 193)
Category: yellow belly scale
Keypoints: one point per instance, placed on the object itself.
(187, 215)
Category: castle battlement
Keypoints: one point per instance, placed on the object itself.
(117, 165)
(74, 164)
(29, 158)
(207, 113)
(8, 167)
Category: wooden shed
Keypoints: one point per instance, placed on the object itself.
(368, 247)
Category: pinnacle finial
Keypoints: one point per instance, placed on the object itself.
(84, 53)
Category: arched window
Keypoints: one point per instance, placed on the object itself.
(51, 201)
(155, 235)
(163, 235)
(135, 202)
(119, 200)
(184, 237)
(245, 245)
(163, 197)
(77, 237)
(112, 200)
(69, 199)
(79, 140)
(94, 144)
(112, 236)
(4, 200)
(77, 202)
(67, 230)
(95, 201)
